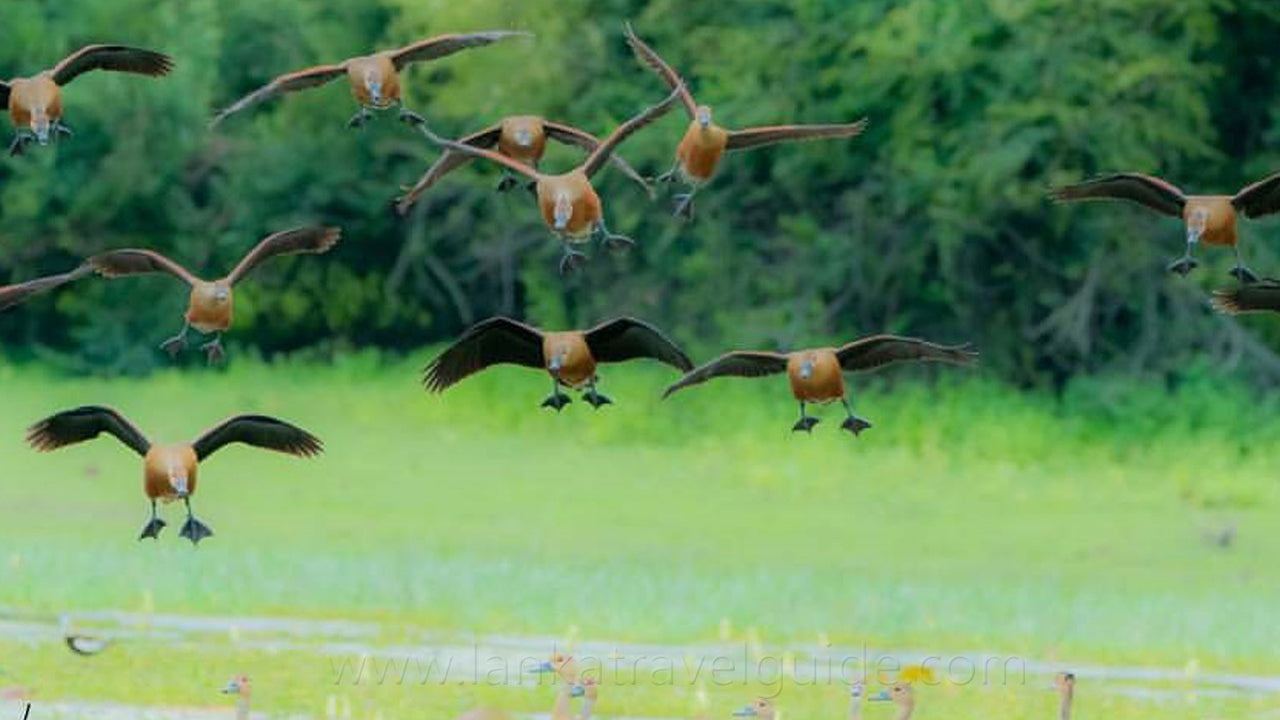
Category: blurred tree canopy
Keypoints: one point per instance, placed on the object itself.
(934, 222)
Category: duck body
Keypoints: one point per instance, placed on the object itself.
(571, 190)
(569, 359)
(35, 103)
(169, 472)
(523, 138)
(700, 151)
(1218, 216)
(816, 376)
(375, 83)
(210, 308)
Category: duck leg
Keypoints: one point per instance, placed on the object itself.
(20, 141)
(853, 423)
(410, 117)
(557, 399)
(613, 241)
(213, 352)
(572, 260)
(358, 120)
(177, 343)
(1186, 263)
(670, 175)
(1241, 273)
(193, 529)
(154, 525)
(594, 398)
(60, 128)
(684, 203)
(806, 421)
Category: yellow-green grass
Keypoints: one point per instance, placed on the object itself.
(972, 517)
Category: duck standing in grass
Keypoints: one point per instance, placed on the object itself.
(901, 695)
(704, 143)
(569, 203)
(35, 103)
(209, 308)
(817, 375)
(14, 295)
(169, 471)
(760, 708)
(375, 79)
(1208, 218)
(1065, 684)
(522, 138)
(569, 357)
(242, 688)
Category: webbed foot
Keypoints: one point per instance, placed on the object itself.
(805, 424)
(855, 424)
(595, 399)
(194, 530)
(571, 262)
(1183, 265)
(557, 401)
(152, 529)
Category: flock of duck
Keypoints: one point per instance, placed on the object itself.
(573, 212)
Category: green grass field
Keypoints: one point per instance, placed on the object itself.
(971, 518)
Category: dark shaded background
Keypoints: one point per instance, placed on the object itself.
(934, 222)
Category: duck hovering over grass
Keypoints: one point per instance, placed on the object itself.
(704, 143)
(35, 103)
(14, 295)
(169, 471)
(569, 357)
(569, 203)
(1208, 218)
(209, 309)
(375, 79)
(1260, 296)
(901, 695)
(522, 138)
(817, 375)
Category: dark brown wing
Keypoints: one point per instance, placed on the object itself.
(12, 295)
(4, 94)
(1262, 296)
(570, 135)
(482, 153)
(490, 342)
(660, 66)
(627, 339)
(118, 58)
(879, 350)
(604, 150)
(761, 136)
(1260, 198)
(739, 363)
(259, 431)
(447, 163)
(138, 262)
(300, 80)
(438, 47)
(85, 423)
(311, 240)
(1145, 190)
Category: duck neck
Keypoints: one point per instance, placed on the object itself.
(242, 707)
(1064, 709)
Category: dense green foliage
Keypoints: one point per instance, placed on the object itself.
(934, 222)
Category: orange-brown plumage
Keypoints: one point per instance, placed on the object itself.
(817, 375)
(522, 138)
(35, 103)
(569, 204)
(210, 304)
(700, 151)
(569, 357)
(169, 471)
(375, 79)
(1207, 218)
